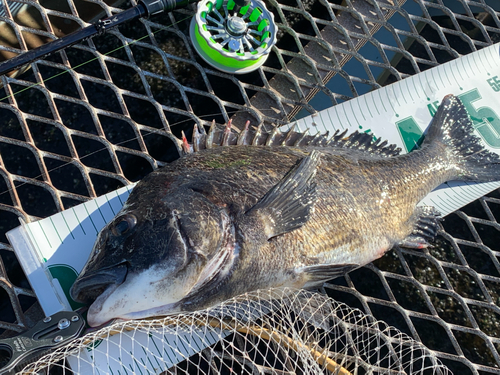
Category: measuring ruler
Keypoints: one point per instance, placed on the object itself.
(402, 111)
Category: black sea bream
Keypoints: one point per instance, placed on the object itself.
(223, 221)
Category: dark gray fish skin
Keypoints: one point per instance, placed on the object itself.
(227, 220)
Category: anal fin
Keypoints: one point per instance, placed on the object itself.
(320, 273)
(425, 228)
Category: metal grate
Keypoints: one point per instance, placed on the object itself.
(108, 111)
(447, 296)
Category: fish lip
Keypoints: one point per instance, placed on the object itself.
(101, 279)
(164, 310)
(96, 306)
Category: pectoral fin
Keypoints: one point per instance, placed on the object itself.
(289, 204)
(318, 274)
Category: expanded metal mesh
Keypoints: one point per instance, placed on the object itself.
(447, 296)
(109, 110)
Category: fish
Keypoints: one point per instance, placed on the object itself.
(271, 210)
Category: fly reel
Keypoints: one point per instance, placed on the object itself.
(231, 38)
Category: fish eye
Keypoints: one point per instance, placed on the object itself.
(124, 225)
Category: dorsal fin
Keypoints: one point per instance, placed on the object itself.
(225, 136)
(363, 142)
(199, 138)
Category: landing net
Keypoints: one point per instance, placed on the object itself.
(279, 332)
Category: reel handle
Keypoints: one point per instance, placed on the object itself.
(240, 4)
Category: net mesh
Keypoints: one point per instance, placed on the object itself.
(287, 332)
(116, 114)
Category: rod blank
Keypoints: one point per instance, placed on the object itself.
(145, 8)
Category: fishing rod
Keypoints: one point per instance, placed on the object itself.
(145, 8)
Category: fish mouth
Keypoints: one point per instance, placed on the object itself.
(91, 286)
(93, 315)
(212, 276)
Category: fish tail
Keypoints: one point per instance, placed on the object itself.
(452, 128)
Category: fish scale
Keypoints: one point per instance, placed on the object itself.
(255, 214)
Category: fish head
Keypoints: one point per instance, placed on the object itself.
(153, 254)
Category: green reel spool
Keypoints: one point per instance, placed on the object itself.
(233, 39)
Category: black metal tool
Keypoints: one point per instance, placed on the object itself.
(48, 334)
(145, 8)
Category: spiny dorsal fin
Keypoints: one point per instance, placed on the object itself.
(243, 134)
(224, 136)
(363, 142)
(209, 143)
(199, 138)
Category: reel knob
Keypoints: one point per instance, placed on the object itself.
(233, 38)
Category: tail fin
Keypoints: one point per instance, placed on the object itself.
(452, 128)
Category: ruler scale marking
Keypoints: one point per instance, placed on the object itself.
(353, 112)
(345, 115)
(433, 78)
(479, 60)
(408, 88)
(414, 84)
(361, 110)
(386, 92)
(329, 117)
(454, 75)
(465, 68)
(441, 79)
(471, 68)
(459, 71)
(367, 105)
(336, 109)
(395, 95)
(402, 93)
(322, 121)
(422, 85)
(379, 91)
(372, 96)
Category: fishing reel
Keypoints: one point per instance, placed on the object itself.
(234, 37)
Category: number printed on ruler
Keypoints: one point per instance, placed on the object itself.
(484, 118)
(479, 99)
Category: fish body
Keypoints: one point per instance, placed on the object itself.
(224, 221)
